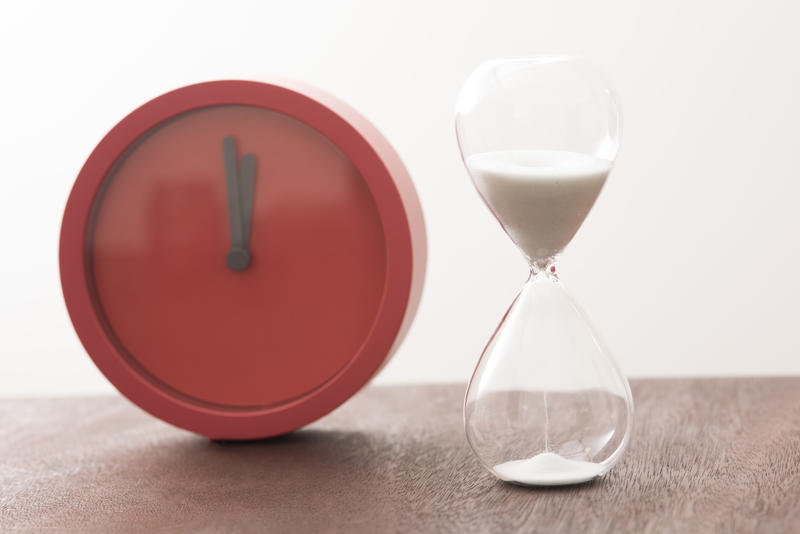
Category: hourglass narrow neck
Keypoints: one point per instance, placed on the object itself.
(543, 267)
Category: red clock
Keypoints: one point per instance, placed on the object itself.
(239, 258)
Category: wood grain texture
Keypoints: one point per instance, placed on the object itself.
(707, 455)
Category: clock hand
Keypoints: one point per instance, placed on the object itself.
(238, 257)
(247, 182)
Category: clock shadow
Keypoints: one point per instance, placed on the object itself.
(306, 478)
(301, 456)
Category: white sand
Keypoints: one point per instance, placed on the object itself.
(541, 197)
(547, 469)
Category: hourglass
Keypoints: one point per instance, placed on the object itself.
(546, 404)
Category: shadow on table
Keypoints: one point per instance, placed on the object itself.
(368, 480)
(308, 456)
(303, 481)
(334, 460)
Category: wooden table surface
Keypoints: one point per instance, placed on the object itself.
(707, 455)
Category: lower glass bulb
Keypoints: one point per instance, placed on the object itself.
(547, 404)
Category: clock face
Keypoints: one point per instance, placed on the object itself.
(238, 258)
(263, 334)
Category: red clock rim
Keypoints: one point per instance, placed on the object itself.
(362, 143)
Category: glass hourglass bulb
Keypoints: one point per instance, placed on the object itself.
(546, 404)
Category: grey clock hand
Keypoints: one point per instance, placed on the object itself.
(247, 182)
(238, 257)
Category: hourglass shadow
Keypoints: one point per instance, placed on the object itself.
(561, 488)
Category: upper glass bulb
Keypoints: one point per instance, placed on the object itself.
(546, 405)
(539, 136)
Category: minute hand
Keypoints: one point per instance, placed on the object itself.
(247, 182)
(238, 258)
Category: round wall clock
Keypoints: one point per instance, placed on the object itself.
(239, 258)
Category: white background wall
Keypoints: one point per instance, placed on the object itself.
(689, 262)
